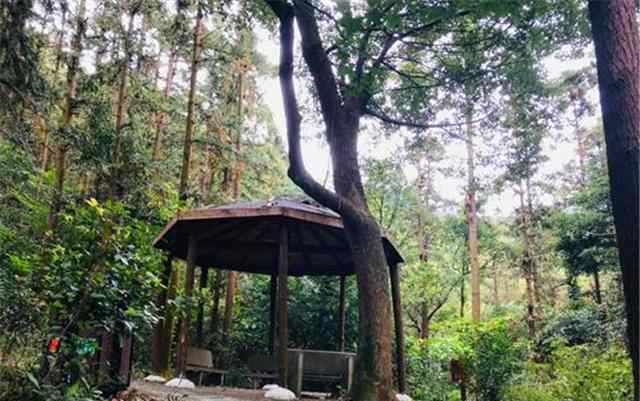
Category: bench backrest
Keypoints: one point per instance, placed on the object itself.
(199, 357)
(324, 363)
(262, 363)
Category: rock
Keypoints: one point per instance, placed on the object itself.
(268, 387)
(155, 379)
(180, 382)
(403, 397)
(280, 394)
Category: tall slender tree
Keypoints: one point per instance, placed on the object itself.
(61, 153)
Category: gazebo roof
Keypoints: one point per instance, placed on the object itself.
(243, 236)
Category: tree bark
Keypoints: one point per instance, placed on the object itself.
(188, 134)
(228, 305)
(472, 220)
(614, 26)
(72, 72)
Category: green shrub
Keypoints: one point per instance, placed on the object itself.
(576, 373)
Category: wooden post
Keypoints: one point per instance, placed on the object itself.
(125, 359)
(299, 373)
(397, 316)
(342, 313)
(106, 350)
(283, 294)
(200, 318)
(157, 359)
(272, 313)
(183, 340)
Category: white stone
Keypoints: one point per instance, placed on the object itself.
(403, 397)
(155, 379)
(268, 387)
(180, 382)
(280, 394)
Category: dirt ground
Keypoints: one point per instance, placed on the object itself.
(160, 392)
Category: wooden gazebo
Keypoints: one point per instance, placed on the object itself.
(280, 238)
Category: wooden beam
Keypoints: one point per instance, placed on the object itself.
(397, 317)
(200, 319)
(183, 339)
(342, 313)
(272, 312)
(283, 295)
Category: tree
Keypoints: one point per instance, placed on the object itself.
(614, 27)
(72, 71)
(352, 80)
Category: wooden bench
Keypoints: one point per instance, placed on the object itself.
(200, 360)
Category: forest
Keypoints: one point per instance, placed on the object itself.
(493, 143)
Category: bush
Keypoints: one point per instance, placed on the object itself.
(576, 373)
(489, 352)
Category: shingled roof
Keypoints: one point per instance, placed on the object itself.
(243, 236)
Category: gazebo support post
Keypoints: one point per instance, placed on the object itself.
(342, 313)
(283, 294)
(397, 316)
(157, 358)
(273, 293)
(200, 319)
(183, 340)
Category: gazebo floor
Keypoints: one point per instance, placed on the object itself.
(160, 392)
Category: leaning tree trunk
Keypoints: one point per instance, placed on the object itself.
(72, 72)
(615, 34)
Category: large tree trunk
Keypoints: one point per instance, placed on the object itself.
(472, 221)
(188, 134)
(72, 72)
(614, 26)
(373, 379)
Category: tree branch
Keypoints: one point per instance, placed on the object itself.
(297, 171)
(319, 65)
